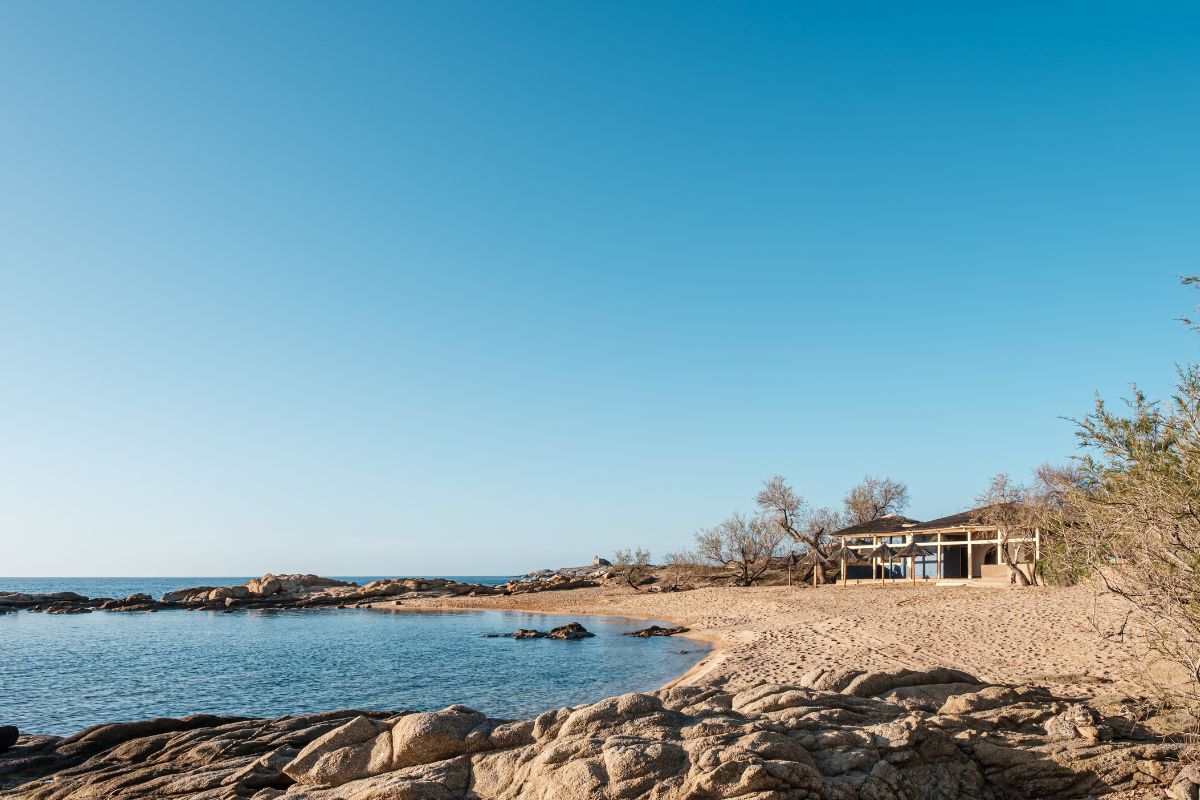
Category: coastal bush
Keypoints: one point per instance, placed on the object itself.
(1134, 516)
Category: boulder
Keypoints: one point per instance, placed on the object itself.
(357, 749)
(570, 631)
(437, 735)
(265, 586)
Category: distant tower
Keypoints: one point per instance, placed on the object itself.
(597, 561)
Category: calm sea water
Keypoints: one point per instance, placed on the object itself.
(64, 673)
(155, 587)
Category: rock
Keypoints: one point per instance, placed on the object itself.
(434, 736)
(1079, 721)
(1186, 785)
(527, 633)
(357, 749)
(8, 736)
(570, 631)
(765, 742)
(982, 700)
(265, 586)
(655, 630)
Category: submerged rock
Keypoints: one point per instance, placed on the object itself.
(655, 630)
(572, 630)
(767, 742)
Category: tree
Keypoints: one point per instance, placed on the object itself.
(791, 513)
(822, 522)
(873, 498)
(786, 505)
(1007, 505)
(1050, 497)
(745, 544)
(680, 569)
(633, 565)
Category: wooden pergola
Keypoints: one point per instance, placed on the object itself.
(956, 531)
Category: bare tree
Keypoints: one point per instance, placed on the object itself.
(633, 565)
(680, 569)
(1006, 505)
(790, 512)
(1050, 498)
(822, 522)
(745, 544)
(786, 505)
(873, 498)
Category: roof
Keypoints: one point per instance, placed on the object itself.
(964, 519)
(888, 523)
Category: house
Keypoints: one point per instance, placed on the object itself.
(960, 546)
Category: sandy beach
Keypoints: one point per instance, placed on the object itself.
(777, 634)
(860, 692)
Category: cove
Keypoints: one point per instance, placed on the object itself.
(65, 673)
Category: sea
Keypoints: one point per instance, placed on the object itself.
(156, 587)
(64, 673)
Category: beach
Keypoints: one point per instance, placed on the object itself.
(868, 691)
(778, 634)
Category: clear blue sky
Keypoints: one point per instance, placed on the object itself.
(483, 287)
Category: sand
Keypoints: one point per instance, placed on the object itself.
(1002, 634)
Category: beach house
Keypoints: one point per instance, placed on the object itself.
(961, 546)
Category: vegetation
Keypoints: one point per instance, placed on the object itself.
(874, 498)
(1136, 516)
(1127, 514)
(745, 544)
(680, 570)
(632, 565)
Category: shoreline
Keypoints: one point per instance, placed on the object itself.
(842, 693)
(1045, 636)
(714, 640)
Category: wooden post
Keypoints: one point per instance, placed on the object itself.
(939, 556)
(970, 558)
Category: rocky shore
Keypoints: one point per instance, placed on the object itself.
(301, 591)
(878, 693)
(835, 735)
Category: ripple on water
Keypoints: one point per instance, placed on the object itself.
(66, 673)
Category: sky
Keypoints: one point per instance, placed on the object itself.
(479, 288)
